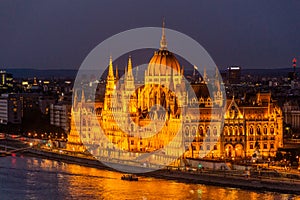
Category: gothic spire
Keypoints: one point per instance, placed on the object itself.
(110, 69)
(75, 99)
(163, 41)
(129, 67)
(171, 84)
(205, 78)
(217, 73)
(82, 96)
(117, 73)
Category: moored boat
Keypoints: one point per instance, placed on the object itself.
(129, 177)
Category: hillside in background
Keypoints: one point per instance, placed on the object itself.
(43, 74)
(71, 74)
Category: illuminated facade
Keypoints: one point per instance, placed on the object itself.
(244, 128)
(252, 126)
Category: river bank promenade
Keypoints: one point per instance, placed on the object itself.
(263, 180)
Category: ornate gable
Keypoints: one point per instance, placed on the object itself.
(233, 111)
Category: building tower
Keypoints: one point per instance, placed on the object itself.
(294, 64)
(129, 95)
(294, 67)
(110, 87)
(74, 141)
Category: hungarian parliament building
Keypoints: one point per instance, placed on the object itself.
(161, 115)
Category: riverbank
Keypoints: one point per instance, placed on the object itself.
(229, 178)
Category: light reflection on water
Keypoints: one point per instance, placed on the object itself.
(35, 178)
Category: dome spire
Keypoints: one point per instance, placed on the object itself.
(163, 41)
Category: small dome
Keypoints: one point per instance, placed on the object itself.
(162, 62)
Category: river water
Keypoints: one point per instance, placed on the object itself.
(36, 178)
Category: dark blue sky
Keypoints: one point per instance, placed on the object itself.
(54, 34)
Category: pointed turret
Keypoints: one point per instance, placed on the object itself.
(163, 41)
(110, 75)
(136, 72)
(75, 100)
(117, 74)
(205, 78)
(129, 88)
(217, 80)
(110, 86)
(129, 68)
(217, 73)
(82, 97)
(74, 142)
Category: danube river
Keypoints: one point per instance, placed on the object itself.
(36, 178)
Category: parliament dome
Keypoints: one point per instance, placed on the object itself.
(163, 61)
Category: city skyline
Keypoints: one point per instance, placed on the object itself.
(58, 35)
(149, 99)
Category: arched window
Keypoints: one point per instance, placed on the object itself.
(272, 130)
(241, 130)
(163, 100)
(207, 131)
(265, 130)
(230, 130)
(215, 131)
(201, 131)
(251, 130)
(194, 132)
(187, 132)
(225, 132)
(236, 130)
(131, 127)
(258, 130)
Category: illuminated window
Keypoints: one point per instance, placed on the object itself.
(226, 130)
(265, 130)
(194, 131)
(272, 130)
(200, 131)
(215, 131)
(236, 131)
(230, 130)
(207, 131)
(187, 131)
(241, 131)
(258, 130)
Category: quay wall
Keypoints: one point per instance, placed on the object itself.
(220, 179)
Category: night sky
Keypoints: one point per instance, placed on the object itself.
(55, 34)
